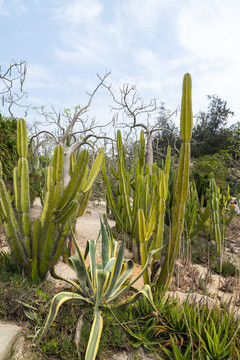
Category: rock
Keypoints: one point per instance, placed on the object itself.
(9, 334)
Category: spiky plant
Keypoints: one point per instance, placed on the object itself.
(37, 248)
(181, 185)
(100, 285)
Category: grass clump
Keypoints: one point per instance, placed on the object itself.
(228, 269)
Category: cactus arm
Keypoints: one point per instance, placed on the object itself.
(22, 140)
(16, 188)
(75, 183)
(125, 193)
(214, 206)
(25, 203)
(11, 225)
(142, 238)
(83, 203)
(204, 218)
(45, 256)
(142, 149)
(48, 195)
(162, 209)
(94, 170)
(36, 234)
(72, 164)
(64, 231)
(111, 200)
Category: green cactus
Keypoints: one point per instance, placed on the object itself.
(220, 214)
(181, 185)
(37, 248)
(195, 218)
(138, 190)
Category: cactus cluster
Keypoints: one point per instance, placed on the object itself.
(145, 219)
(220, 214)
(38, 247)
(141, 190)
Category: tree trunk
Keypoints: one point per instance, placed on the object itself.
(66, 164)
(149, 152)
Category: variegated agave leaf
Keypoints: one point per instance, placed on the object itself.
(100, 284)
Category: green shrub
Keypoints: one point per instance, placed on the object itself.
(228, 269)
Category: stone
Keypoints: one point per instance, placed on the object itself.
(9, 334)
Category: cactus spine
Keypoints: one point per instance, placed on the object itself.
(37, 249)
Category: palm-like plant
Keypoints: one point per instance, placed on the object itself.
(101, 284)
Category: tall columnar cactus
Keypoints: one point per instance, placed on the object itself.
(181, 185)
(38, 247)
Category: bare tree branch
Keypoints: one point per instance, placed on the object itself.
(15, 73)
(82, 110)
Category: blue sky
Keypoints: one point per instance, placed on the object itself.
(146, 43)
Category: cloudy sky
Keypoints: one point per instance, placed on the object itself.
(147, 43)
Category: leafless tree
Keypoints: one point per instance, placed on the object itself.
(11, 85)
(72, 129)
(137, 114)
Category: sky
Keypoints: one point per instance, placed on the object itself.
(149, 44)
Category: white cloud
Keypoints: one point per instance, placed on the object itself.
(98, 43)
(3, 8)
(8, 7)
(210, 32)
(40, 76)
(145, 14)
(79, 12)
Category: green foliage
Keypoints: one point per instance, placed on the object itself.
(100, 285)
(228, 269)
(184, 331)
(210, 132)
(8, 145)
(37, 249)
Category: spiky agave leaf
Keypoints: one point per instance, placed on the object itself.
(56, 303)
(95, 335)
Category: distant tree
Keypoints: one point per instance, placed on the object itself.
(167, 135)
(228, 161)
(210, 134)
(69, 128)
(136, 114)
(11, 85)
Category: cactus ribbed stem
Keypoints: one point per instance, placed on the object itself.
(181, 186)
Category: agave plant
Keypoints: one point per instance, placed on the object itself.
(100, 285)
